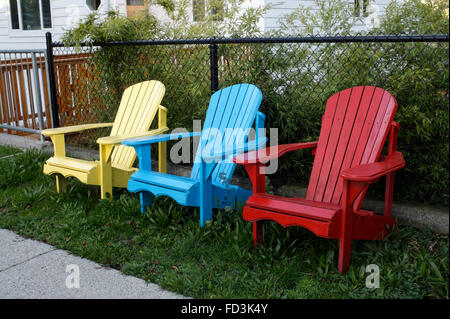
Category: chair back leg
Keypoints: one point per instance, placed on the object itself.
(61, 183)
(162, 157)
(106, 191)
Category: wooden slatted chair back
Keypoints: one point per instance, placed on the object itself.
(354, 129)
(138, 107)
(234, 107)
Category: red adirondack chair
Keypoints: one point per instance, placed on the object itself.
(347, 160)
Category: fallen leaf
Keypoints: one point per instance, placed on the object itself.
(176, 268)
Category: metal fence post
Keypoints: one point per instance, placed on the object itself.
(214, 65)
(51, 79)
(37, 93)
(3, 92)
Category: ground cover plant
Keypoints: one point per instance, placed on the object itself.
(166, 246)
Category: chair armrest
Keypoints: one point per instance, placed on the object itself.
(115, 140)
(159, 138)
(250, 145)
(369, 173)
(265, 155)
(74, 128)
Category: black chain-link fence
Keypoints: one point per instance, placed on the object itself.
(296, 76)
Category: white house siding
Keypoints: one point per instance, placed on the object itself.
(161, 14)
(65, 14)
(282, 7)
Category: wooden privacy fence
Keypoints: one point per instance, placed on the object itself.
(24, 92)
(25, 104)
(73, 81)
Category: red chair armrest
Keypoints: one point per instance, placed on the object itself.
(372, 172)
(266, 154)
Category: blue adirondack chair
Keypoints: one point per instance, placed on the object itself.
(229, 119)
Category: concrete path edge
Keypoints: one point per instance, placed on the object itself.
(30, 269)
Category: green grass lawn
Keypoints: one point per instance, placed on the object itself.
(166, 245)
(7, 150)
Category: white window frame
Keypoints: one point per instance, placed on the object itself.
(90, 9)
(19, 15)
(362, 7)
(143, 4)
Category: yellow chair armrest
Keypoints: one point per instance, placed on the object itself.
(115, 140)
(75, 128)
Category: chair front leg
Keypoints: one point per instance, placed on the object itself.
(162, 146)
(351, 191)
(59, 145)
(59, 148)
(256, 172)
(106, 171)
(345, 238)
(389, 195)
(206, 199)
(389, 192)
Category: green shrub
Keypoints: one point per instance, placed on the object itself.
(296, 79)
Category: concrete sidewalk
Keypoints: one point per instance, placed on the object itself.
(31, 269)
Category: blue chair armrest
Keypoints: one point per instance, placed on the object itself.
(158, 138)
(249, 146)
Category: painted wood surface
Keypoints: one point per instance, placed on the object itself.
(234, 108)
(347, 160)
(136, 112)
(17, 98)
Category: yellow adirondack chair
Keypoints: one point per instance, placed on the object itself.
(138, 107)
